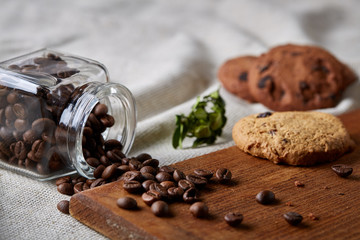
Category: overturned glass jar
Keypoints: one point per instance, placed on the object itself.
(60, 114)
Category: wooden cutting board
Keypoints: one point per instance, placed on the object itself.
(334, 200)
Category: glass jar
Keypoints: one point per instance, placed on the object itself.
(59, 114)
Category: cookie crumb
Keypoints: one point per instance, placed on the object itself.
(313, 217)
(342, 194)
(326, 187)
(289, 204)
(299, 184)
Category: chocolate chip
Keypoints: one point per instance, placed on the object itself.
(264, 115)
(263, 82)
(243, 77)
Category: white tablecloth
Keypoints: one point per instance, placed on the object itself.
(166, 53)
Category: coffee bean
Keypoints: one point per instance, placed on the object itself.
(30, 136)
(342, 170)
(20, 150)
(159, 188)
(160, 208)
(204, 173)
(78, 179)
(66, 179)
(93, 162)
(265, 197)
(293, 218)
(175, 192)
(78, 187)
(178, 175)
(43, 125)
(163, 176)
(109, 171)
(134, 164)
(38, 148)
(190, 195)
(115, 155)
(146, 184)
(113, 144)
(185, 184)
(104, 160)
(107, 120)
(100, 110)
(98, 182)
(63, 206)
(123, 169)
(167, 169)
(126, 203)
(95, 123)
(143, 157)
(147, 176)
(197, 180)
(167, 184)
(223, 175)
(29, 164)
(151, 162)
(148, 169)
(199, 210)
(20, 111)
(86, 186)
(66, 188)
(150, 197)
(12, 97)
(132, 186)
(9, 113)
(132, 176)
(233, 218)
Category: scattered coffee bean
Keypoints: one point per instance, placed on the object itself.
(131, 176)
(66, 188)
(167, 169)
(199, 210)
(197, 180)
(185, 184)
(78, 187)
(98, 171)
(66, 179)
(223, 175)
(109, 171)
(132, 186)
(98, 182)
(190, 195)
(146, 184)
(163, 176)
(148, 169)
(63, 206)
(293, 218)
(143, 157)
(159, 188)
(126, 203)
(160, 208)
(151, 162)
(204, 173)
(342, 170)
(150, 197)
(167, 184)
(265, 197)
(175, 193)
(134, 164)
(178, 175)
(233, 218)
(147, 176)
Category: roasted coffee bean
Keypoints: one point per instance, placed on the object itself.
(87, 132)
(66, 188)
(146, 184)
(86, 153)
(132, 176)
(223, 175)
(199, 210)
(132, 186)
(190, 195)
(135, 164)
(125, 161)
(151, 162)
(107, 121)
(43, 125)
(175, 192)
(147, 176)
(167, 169)
(233, 218)
(109, 171)
(143, 157)
(185, 184)
(100, 110)
(9, 113)
(197, 180)
(150, 197)
(159, 188)
(38, 148)
(66, 179)
(78, 187)
(265, 197)
(30, 136)
(94, 162)
(78, 179)
(40, 168)
(126, 203)
(63, 206)
(86, 186)
(178, 175)
(12, 97)
(98, 171)
(29, 164)
(148, 169)
(115, 155)
(264, 115)
(293, 218)
(100, 151)
(204, 173)
(123, 169)
(105, 161)
(342, 170)
(98, 182)
(20, 111)
(89, 181)
(95, 124)
(167, 184)
(112, 144)
(20, 125)
(20, 150)
(163, 176)
(160, 208)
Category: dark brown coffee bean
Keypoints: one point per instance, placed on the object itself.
(178, 175)
(204, 173)
(132, 186)
(293, 218)
(199, 210)
(115, 155)
(163, 176)
(86, 186)
(43, 125)
(264, 115)
(143, 157)
(66, 188)
(265, 197)
(95, 124)
(185, 184)
(100, 110)
(20, 125)
(20, 111)
(20, 150)
(147, 176)
(78, 179)
(89, 181)
(135, 164)
(160, 208)
(197, 180)
(12, 97)
(112, 144)
(159, 188)
(63, 206)
(167, 184)
(66, 179)
(98, 182)
(233, 218)
(150, 197)
(86, 153)
(107, 120)
(105, 161)
(167, 169)
(87, 132)
(38, 148)
(223, 175)
(175, 192)
(146, 184)
(132, 176)
(98, 171)
(342, 170)
(190, 195)
(94, 162)
(151, 162)
(41, 169)
(126, 203)
(29, 164)
(109, 171)
(122, 169)
(30, 136)
(148, 169)
(78, 187)
(9, 113)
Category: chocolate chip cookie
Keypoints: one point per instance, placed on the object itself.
(233, 75)
(294, 77)
(294, 138)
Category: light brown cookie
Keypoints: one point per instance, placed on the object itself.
(294, 77)
(233, 75)
(294, 138)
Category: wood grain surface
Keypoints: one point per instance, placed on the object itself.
(333, 200)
